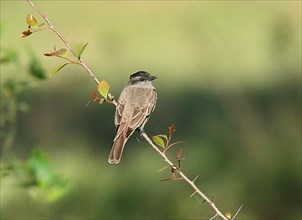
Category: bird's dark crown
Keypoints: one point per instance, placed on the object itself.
(141, 76)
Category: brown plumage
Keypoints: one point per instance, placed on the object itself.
(135, 104)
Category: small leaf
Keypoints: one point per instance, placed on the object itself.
(31, 21)
(49, 54)
(62, 52)
(103, 88)
(159, 141)
(82, 50)
(57, 69)
(26, 33)
(163, 136)
(228, 215)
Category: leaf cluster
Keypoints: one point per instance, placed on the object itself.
(37, 178)
(163, 140)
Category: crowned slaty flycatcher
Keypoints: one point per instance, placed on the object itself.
(135, 104)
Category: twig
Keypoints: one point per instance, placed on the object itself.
(144, 135)
(81, 61)
(70, 60)
(185, 178)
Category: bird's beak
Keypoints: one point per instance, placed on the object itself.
(153, 78)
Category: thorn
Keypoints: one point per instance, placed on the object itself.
(213, 217)
(166, 179)
(237, 212)
(138, 140)
(197, 200)
(162, 169)
(195, 178)
(177, 178)
(193, 194)
(88, 103)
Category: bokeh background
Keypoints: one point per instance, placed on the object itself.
(229, 78)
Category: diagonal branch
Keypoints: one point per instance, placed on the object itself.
(81, 61)
(191, 183)
(144, 135)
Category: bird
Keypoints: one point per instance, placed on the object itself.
(134, 106)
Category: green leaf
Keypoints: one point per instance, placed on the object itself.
(39, 167)
(31, 21)
(103, 88)
(62, 52)
(44, 186)
(159, 141)
(57, 69)
(82, 50)
(163, 136)
(36, 69)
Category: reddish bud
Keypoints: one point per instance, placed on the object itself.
(94, 94)
(172, 128)
(26, 33)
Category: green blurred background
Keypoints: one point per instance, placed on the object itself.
(228, 77)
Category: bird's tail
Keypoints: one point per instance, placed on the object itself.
(118, 145)
(117, 149)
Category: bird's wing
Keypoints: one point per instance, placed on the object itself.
(143, 108)
(134, 106)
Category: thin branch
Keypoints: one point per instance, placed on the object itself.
(185, 178)
(144, 135)
(70, 60)
(81, 61)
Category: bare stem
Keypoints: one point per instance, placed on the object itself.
(81, 61)
(70, 61)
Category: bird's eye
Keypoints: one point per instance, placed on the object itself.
(141, 80)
